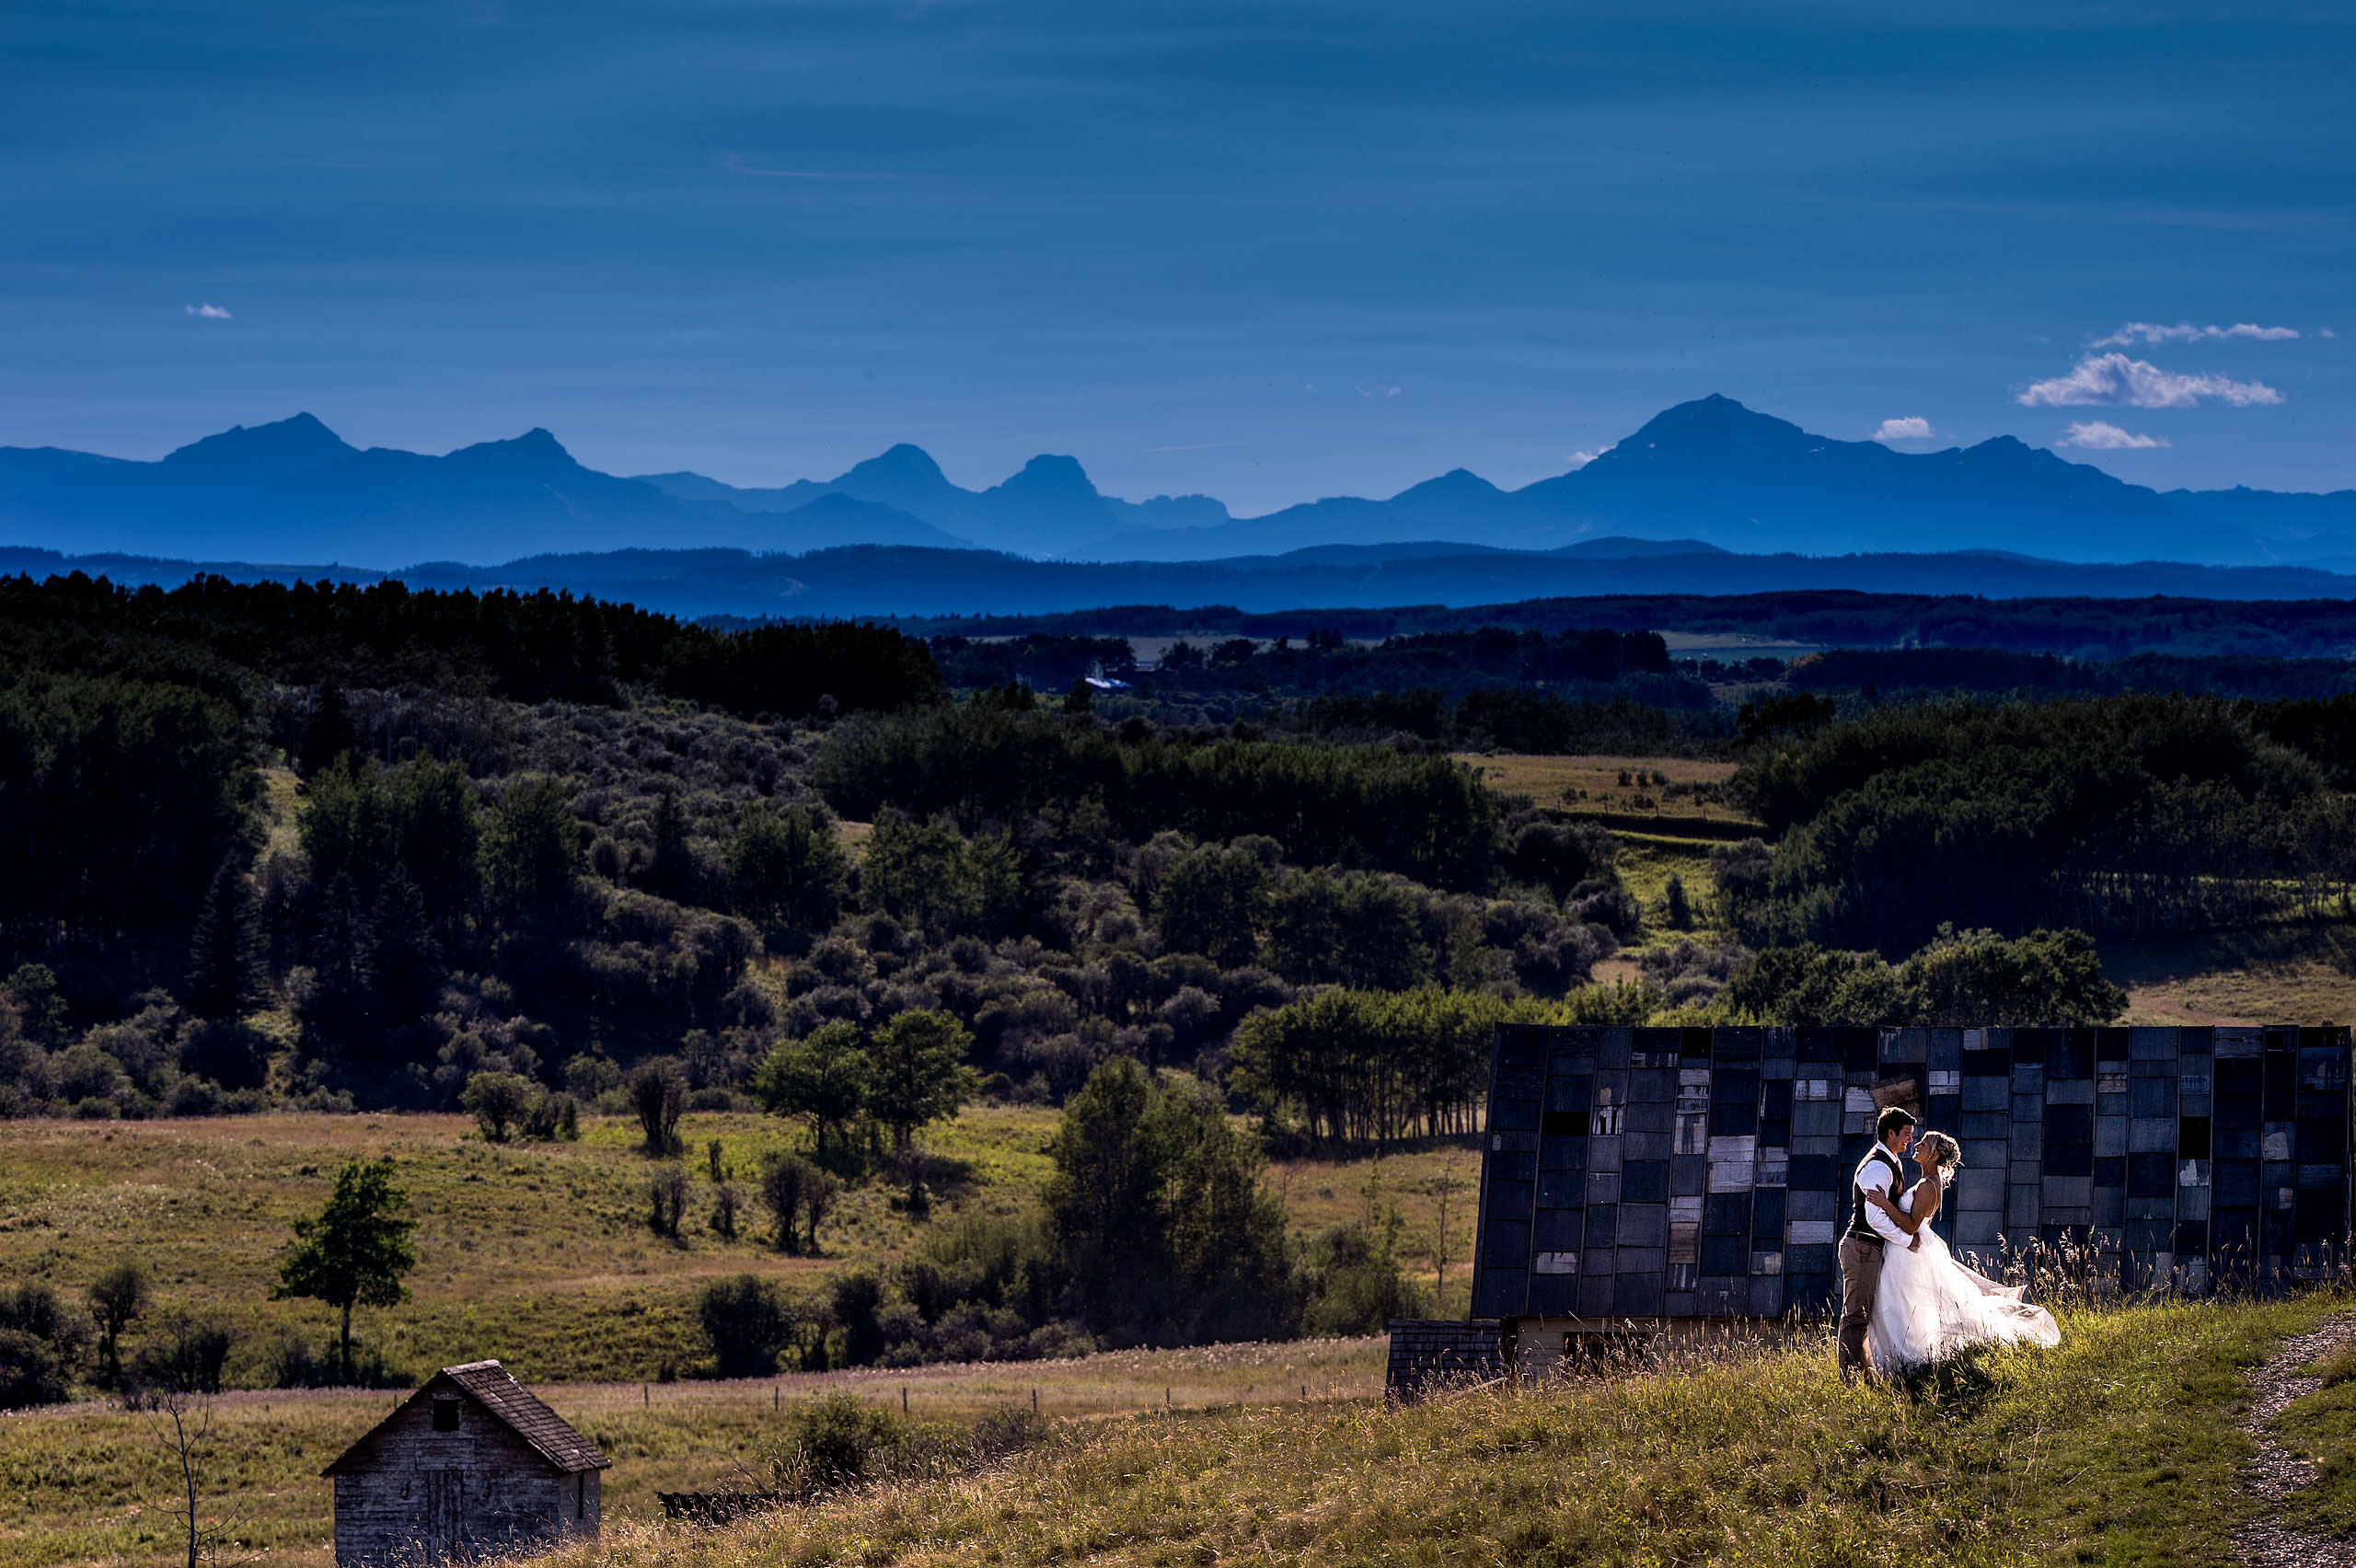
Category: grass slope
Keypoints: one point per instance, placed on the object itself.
(2117, 1449)
(540, 1255)
(89, 1482)
(2291, 972)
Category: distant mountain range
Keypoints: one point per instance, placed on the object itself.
(872, 580)
(1710, 474)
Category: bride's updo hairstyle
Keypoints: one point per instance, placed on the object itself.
(1939, 1150)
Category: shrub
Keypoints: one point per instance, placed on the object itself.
(658, 1093)
(555, 1117)
(745, 1322)
(840, 1441)
(1355, 1285)
(726, 1202)
(188, 1355)
(784, 1180)
(497, 1101)
(666, 1193)
(41, 1342)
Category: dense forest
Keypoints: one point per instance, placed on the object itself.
(2081, 627)
(532, 856)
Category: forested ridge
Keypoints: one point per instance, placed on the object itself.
(2070, 626)
(337, 847)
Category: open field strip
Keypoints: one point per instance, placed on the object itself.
(2119, 1448)
(89, 1481)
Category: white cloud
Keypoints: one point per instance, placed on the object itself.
(2186, 332)
(2095, 435)
(1580, 459)
(209, 312)
(1364, 390)
(2115, 378)
(1914, 427)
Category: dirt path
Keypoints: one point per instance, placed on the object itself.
(2276, 1473)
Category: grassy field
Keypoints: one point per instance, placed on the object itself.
(2288, 972)
(1594, 782)
(2117, 1449)
(89, 1482)
(540, 1255)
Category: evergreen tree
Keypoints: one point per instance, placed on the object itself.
(1212, 901)
(337, 1011)
(225, 970)
(670, 872)
(404, 967)
(1164, 1228)
(327, 738)
(785, 869)
(530, 847)
(437, 837)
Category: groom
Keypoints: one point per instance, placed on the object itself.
(1873, 1225)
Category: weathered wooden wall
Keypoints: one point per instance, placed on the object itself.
(480, 1491)
(1426, 1351)
(1667, 1173)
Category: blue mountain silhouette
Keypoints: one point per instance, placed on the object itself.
(1709, 473)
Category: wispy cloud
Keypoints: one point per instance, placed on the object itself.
(1580, 459)
(2095, 435)
(734, 163)
(209, 312)
(1366, 390)
(2115, 379)
(1911, 428)
(2186, 332)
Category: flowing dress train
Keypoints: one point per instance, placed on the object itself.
(1929, 1306)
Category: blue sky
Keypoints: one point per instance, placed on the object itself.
(1269, 251)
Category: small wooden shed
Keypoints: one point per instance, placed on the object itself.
(471, 1465)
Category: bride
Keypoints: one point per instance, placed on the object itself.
(1929, 1305)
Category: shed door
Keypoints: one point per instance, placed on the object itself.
(445, 1511)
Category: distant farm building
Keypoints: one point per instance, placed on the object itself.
(471, 1465)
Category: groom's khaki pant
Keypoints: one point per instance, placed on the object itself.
(1860, 1277)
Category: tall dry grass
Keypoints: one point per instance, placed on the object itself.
(2116, 1447)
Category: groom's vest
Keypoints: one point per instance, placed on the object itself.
(1857, 1223)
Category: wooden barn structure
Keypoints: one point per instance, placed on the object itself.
(1641, 1183)
(472, 1465)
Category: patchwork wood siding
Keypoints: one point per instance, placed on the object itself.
(1704, 1172)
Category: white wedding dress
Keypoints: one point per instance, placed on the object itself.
(1929, 1306)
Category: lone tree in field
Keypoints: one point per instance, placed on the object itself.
(356, 1250)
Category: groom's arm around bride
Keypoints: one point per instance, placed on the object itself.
(1875, 1221)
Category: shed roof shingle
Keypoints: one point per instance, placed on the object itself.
(523, 1412)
